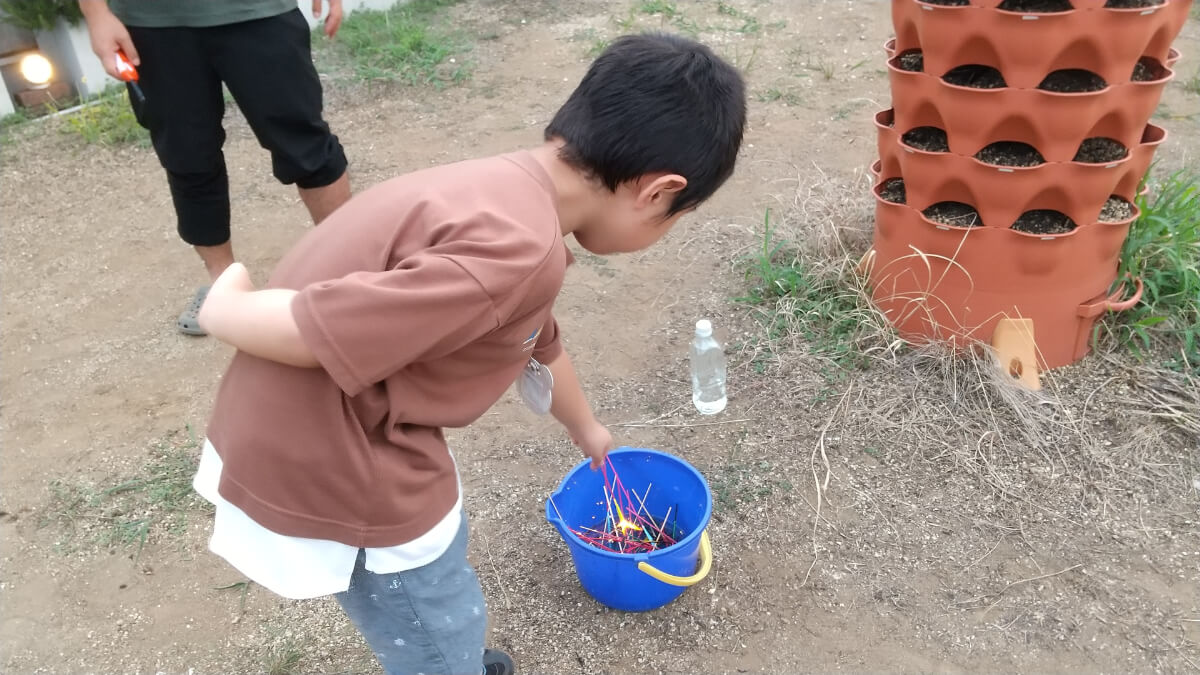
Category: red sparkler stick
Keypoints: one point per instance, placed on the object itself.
(593, 541)
(617, 483)
(602, 535)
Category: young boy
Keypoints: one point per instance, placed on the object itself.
(415, 308)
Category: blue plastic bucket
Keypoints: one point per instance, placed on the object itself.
(636, 582)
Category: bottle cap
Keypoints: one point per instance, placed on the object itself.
(703, 328)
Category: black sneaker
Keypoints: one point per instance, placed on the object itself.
(496, 662)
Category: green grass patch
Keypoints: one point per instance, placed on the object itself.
(821, 65)
(670, 16)
(798, 295)
(744, 22)
(739, 479)
(598, 46)
(13, 120)
(282, 651)
(787, 97)
(1163, 250)
(13, 126)
(737, 483)
(693, 18)
(130, 511)
(666, 8)
(597, 42)
(403, 44)
(40, 14)
(107, 120)
(283, 659)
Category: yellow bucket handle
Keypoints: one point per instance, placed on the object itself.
(705, 566)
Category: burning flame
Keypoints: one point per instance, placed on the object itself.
(624, 524)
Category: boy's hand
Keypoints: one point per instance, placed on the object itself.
(234, 281)
(595, 441)
(108, 35)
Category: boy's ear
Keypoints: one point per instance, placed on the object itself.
(661, 189)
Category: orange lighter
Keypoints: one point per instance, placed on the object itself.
(129, 75)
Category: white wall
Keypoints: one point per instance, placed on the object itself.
(6, 104)
(70, 50)
(348, 6)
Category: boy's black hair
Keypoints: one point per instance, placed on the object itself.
(655, 102)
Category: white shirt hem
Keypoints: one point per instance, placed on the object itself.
(300, 568)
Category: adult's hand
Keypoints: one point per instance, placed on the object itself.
(334, 20)
(108, 35)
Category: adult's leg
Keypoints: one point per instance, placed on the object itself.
(183, 110)
(267, 65)
(324, 200)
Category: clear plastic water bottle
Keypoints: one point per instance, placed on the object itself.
(708, 370)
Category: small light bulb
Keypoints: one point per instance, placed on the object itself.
(36, 69)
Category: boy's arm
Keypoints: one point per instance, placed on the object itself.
(570, 407)
(259, 323)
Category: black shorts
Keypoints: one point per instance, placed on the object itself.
(267, 66)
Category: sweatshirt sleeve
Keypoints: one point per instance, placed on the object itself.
(368, 325)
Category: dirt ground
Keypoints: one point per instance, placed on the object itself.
(908, 517)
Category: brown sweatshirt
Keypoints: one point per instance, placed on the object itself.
(422, 298)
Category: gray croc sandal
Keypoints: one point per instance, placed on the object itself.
(188, 323)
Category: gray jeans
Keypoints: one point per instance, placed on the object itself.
(429, 620)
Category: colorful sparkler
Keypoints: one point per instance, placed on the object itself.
(628, 526)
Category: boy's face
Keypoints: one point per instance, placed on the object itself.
(636, 218)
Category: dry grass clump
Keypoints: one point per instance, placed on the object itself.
(1080, 451)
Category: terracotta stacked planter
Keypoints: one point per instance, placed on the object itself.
(942, 281)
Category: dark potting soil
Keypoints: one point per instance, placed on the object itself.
(1147, 71)
(1010, 153)
(1100, 151)
(976, 77)
(1035, 6)
(893, 191)
(1115, 210)
(1044, 221)
(1072, 80)
(913, 61)
(929, 139)
(1132, 4)
(957, 214)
